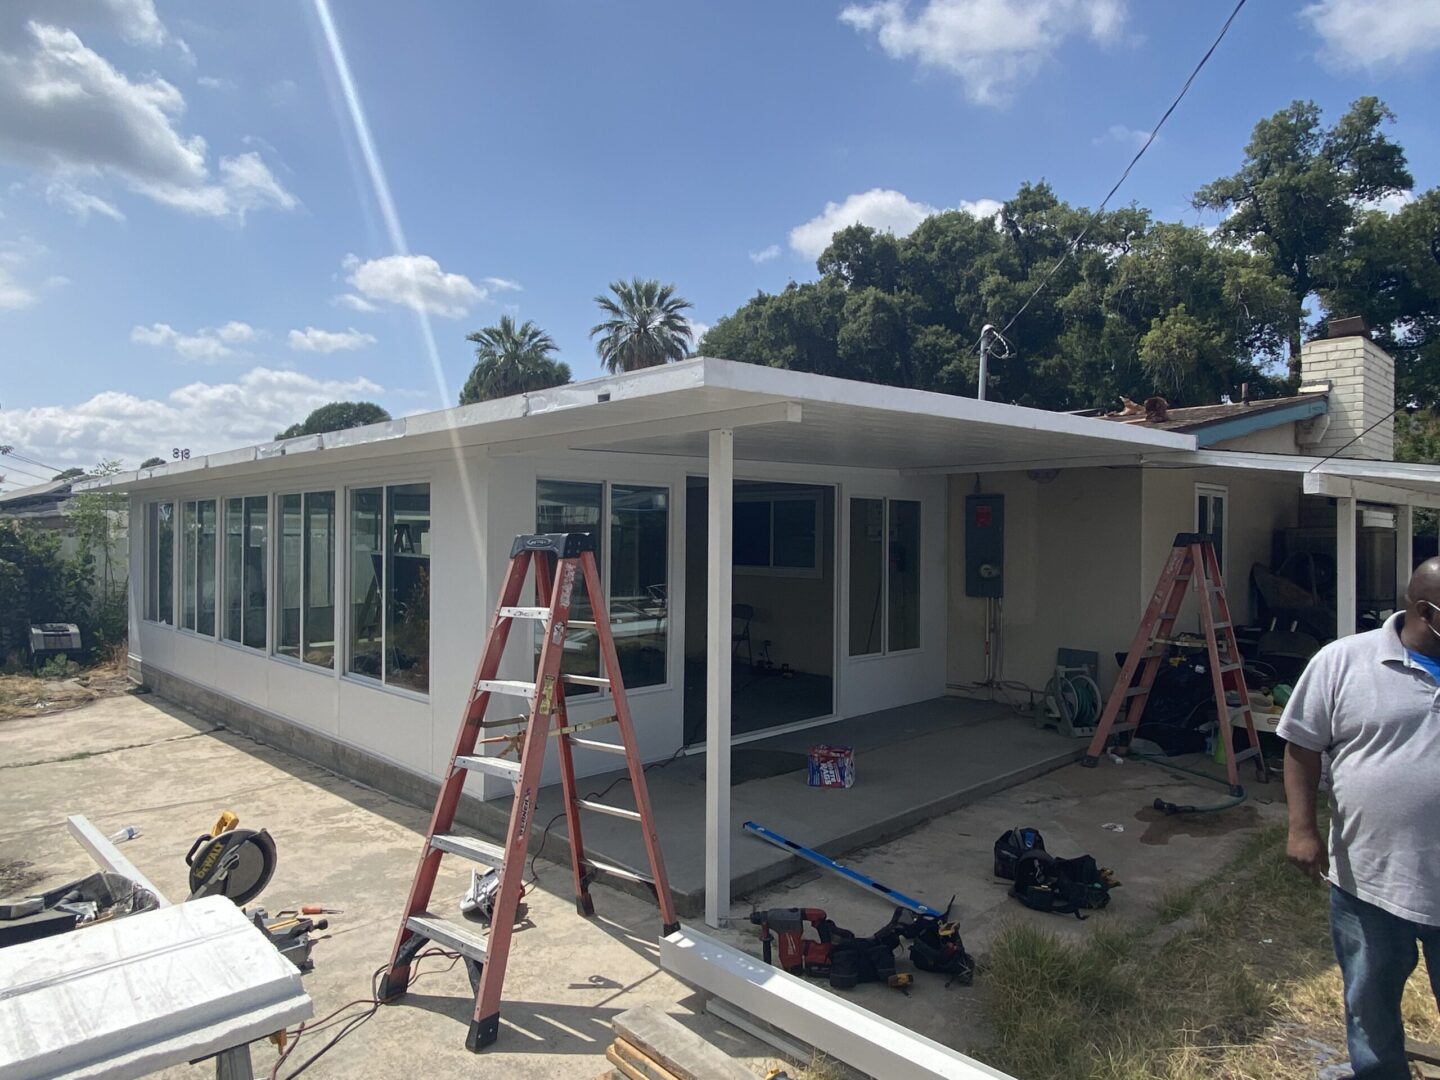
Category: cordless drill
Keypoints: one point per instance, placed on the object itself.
(798, 955)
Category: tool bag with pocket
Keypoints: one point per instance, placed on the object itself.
(1012, 845)
(855, 960)
(936, 946)
(1060, 886)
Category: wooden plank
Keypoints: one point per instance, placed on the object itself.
(627, 1070)
(665, 1040)
(648, 1066)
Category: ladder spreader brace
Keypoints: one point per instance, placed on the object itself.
(562, 561)
(1192, 560)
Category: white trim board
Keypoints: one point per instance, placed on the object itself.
(876, 1046)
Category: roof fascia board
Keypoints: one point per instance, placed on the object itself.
(1100, 461)
(1235, 427)
(1336, 487)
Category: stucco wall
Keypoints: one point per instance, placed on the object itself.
(1276, 440)
(1072, 546)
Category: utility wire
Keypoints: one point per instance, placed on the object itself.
(8, 468)
(11, 452)
(1384, 419)
(1133, 161)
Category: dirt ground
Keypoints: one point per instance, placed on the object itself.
(25, 695)
(131, 760)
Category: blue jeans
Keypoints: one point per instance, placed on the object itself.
(1378, 952)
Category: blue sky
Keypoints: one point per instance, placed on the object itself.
(194, 253)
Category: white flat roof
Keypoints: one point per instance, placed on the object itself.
(777, 415)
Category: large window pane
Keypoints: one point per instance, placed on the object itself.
(290, 554)
(256, 538)
(407, 591)
(750, 532)
(367, 572)
(867, 574)
(795, 528)
(160, 560)
(234, 567)
(205, 544)
(904, 589)
(190, 534)
(319, 621)
(564, 506)
(639, 582)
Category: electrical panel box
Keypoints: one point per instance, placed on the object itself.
(985, 545)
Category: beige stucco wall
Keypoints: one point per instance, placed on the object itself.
(1276, 440)
(1071, 551)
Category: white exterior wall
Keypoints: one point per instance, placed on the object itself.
(476, 511)
(1072, 546)
(1276, 440)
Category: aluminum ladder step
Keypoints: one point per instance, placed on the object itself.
(597, 867)
(541, 613)
(460, 937)
(606, 808)
(495, 766)
(505, 686)
(469, 847)
(586, 680)
(597, 744)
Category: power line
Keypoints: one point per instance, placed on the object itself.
(23, 472)
(10, 451)
(1133, 161)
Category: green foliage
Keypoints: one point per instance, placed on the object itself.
(151, 462)
(1294, 198)
(38, 585)
(58, 667)
(1139, 308)
(1388, 271)
(336, 416)
(68, 474)
(646, 326)
(512, 360)
(97, 519)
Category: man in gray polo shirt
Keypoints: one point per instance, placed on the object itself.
(1370, 703)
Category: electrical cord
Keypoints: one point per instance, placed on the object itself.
(545, 834)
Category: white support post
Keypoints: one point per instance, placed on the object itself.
(1345, 567)
(717, 677)
(1404, 551)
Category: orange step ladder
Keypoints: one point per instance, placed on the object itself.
(561, 561)
(1192, 561)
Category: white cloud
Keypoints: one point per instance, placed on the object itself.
(16, 256)
(135, 21)
(1375, 33)
(312, 339)
(764, 255)
(981, 208)
(990, 45)
(68, 112)
(205, 344)
(880, 208)
(204, 417)
(355, 303)
(210, 82)
(697, 329)
(414, 281)
(1120, 133)
(1390, 204)
(82, 204)
(503, 284)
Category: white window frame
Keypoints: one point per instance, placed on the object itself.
(344, 564)
(277, 611)
(884, 611)
(222, 597)
(1214, 492)
(602, 568)
(187, 571)
(816, 567)
(152, 564)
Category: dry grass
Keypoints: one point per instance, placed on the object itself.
(1243, 986)
(24, 695)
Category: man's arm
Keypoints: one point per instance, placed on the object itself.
(1305, 847)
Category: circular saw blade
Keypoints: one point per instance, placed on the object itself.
(237, 864)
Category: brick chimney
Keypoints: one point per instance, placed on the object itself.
(1362, 392)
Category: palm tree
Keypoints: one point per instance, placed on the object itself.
(645, 327)
(512, 360)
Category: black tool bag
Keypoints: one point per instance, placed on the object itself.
(1061, 886)
(857, 960)
(937, 947)
(1011, 846)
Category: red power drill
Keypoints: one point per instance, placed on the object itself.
(799, 955)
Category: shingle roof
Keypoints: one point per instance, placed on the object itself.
(1195, 417)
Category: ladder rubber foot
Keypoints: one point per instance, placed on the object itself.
(669, 928)
(1089, 762)
(482, 1033)
(393, 989)
(1237, 792)
(584, 905)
